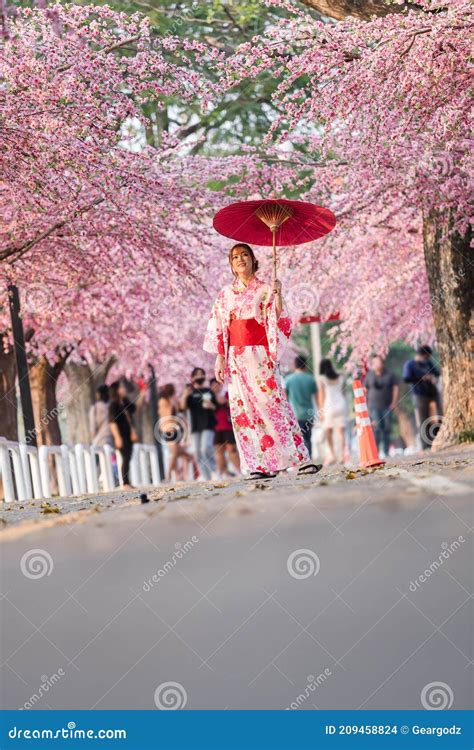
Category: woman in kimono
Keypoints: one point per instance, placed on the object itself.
(246, 331)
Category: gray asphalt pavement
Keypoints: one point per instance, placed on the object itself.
(345, 590)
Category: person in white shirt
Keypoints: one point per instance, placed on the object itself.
(99, 425)
(333, 405)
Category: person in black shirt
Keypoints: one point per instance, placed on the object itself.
(201, 402)
(382, 396)
(424, 374)
(123, 432)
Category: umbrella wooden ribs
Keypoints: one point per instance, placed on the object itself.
(273, 215)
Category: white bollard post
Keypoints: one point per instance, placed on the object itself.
(135, 468)
(23, 448)
(81, 469)
(91, 470)
(108, 471)
(144, 465)
(99, 461)
(118, 456)
(6, 472)
(35, 472)
(18, 472)
(166, 457)
(155, 467)
(76, 488)
(44, 470)
(64, 483)
(63, 457)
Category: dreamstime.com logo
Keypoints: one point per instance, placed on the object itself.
(303, 563)
(430, 428)
(437, 696)
(170, 696)
(70, 732)
(166, 434)
(303, 296)
(37, 299)
(36, 563)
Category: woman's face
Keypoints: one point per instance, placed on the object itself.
(241, 261)
(199, 378)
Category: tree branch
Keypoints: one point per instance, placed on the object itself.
(234, 21)
(363, 9)
(117, 45)
(22, 249)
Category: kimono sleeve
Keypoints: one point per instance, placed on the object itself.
(278, 329)
(214, 338)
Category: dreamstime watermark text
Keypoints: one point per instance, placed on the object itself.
(312, 685)
(46, 684)
(181, 551)
(448, 550)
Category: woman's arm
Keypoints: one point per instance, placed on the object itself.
(183, 401)
(276, 289)
(219, 369)
(116, 435)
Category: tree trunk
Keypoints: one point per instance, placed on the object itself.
(451, 282)
(83, 380)
(363, 9)
(79, 400)
(43, 378)
(8, 400)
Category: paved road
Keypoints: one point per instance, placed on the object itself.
(308, 593)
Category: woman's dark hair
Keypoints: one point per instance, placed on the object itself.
(113, 390)
(167, 391)
(326, 368)
(251, 253)
(103, 392)
(196, 370)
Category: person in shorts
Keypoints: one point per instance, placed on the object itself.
(224, 439)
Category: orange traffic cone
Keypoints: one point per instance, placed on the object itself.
(369, 455)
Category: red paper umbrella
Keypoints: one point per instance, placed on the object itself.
(274, 222)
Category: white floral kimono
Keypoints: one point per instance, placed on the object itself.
(267, 433)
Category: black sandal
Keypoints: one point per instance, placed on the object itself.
(259, 475)
(313, 469)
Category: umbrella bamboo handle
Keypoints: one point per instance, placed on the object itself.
(274, 256)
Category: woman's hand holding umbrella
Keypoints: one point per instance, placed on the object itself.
(276, 291)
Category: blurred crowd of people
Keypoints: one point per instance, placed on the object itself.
(324, 401)
(195, 427)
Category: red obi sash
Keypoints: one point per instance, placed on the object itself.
(247, 332)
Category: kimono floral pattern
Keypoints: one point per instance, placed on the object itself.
(267, 433)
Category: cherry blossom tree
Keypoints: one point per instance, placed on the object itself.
(95, 221)
(382, 104)
(78, 203)
(110, 241)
